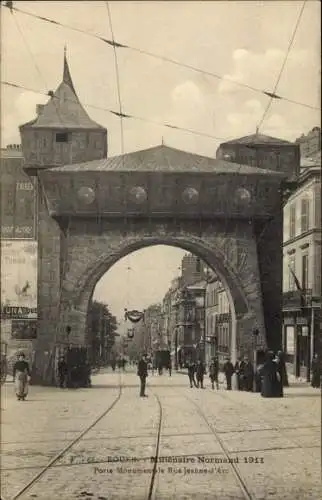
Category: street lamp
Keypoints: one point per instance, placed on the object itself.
(255, 336)
(176, 348)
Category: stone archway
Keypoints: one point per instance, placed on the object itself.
(230, 251)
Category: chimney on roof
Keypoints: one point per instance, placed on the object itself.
(39, 109)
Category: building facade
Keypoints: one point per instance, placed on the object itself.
(302, 269)
(263, 151)
(310, 144)
(218, 320)
(18, 255)
(153, 325)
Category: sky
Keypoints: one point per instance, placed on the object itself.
(243, 41)
(139, 280)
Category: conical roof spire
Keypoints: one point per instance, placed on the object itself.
(64, 109)
(66, 75)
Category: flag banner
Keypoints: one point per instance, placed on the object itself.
(134, 316)
(298, 286)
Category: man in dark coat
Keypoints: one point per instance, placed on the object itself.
(62, 372)
(191, 373)
(247, 374)
(270, 386)
(200, 372)
(228, 371)
(213, 373)
(281, 365)
(239, 372)
(315, 380)
(142, 373)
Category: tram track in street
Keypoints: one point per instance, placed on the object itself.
(269, 427)
(27, 487)
(157, 448)
(237, 474)
(235, 470)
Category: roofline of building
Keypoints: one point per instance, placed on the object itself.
(253, 142)
(307, 173)
(254, 145)
(61, 127)
(293, 240)
(64, 170)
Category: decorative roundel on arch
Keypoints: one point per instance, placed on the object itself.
(190, 196)
(138, 195)
(86, 195)
(243, 196)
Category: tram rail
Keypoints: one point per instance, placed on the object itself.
(276, 428)
(157, 448)
(27, 487)
(238, 476)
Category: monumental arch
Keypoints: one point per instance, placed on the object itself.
(94, 210)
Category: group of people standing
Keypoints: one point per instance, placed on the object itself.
(73, 375)
(120, 363)
(197, 371)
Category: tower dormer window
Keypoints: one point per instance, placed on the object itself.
(62, 137)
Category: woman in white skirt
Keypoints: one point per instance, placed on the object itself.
(21, 376)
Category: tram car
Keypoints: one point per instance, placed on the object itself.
(162, 359)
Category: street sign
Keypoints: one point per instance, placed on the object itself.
(301, 321)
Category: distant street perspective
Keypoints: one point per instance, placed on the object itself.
(160, 250)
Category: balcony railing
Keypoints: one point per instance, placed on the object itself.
(296, 299)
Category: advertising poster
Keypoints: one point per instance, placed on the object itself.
(19, 287)
(18, 201)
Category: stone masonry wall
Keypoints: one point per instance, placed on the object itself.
(229, 248)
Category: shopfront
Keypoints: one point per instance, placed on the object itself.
(301, 331)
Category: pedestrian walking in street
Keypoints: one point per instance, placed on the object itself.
(62, 372)
(21, 377)
(239, 373)
(228, 371)
(191, 373)
(160, 368)
(316, 372)
(279, 385)
(170, 367)
(270, 386)
(200, 373)
(247, 375)
(213, 373)
(142, 373)
(280, 359)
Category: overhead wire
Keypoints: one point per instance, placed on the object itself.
(290, 45)
(43, 193)
(116, 113)
(272, 94)
(117, 78)
(169, 60)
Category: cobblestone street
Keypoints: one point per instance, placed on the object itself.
(274, 444)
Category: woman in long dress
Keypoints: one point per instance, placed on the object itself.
(315, 380)
(270, 383)
(21, 376)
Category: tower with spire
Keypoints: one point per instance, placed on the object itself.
(62, 132)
